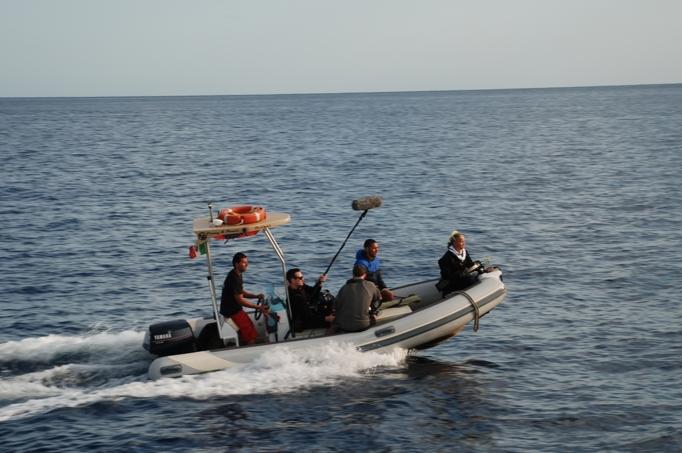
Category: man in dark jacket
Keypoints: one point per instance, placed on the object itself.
(357, 300)
(304, 299)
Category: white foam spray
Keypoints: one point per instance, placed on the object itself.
(44, 349)
(277, 371)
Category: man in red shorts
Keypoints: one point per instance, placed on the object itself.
(234, 296)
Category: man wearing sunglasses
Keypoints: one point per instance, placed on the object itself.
(304, 299)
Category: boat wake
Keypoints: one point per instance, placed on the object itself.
(54, 372)
(45, 349)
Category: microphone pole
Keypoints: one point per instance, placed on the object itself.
(362, 204)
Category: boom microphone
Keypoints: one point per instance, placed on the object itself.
(365, 203)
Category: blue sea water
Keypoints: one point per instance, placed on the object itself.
(574, 192)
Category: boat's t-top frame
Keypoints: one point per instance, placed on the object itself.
(205, 229)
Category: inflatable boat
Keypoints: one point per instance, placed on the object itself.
(419, 316)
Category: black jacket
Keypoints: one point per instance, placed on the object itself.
(304, 307)
(453, 273)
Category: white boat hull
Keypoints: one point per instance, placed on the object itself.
(433, 320)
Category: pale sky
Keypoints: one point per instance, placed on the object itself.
(213, 47)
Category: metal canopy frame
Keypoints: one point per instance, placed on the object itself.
(205, 231)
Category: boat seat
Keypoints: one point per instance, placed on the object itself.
(228, 331)
(401, 301)
(389, 314)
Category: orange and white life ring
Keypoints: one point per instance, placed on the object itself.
(238, 215)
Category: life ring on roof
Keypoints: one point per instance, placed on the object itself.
(238, 215)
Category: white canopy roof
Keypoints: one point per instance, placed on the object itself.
(204, 230)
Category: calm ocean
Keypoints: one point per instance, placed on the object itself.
(576, 193)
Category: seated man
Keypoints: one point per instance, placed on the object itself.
(305, 309)
(356, 301)
(369, 258)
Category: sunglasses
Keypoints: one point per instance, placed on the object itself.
(298, 277)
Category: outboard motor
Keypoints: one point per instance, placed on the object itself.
(170, 338)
